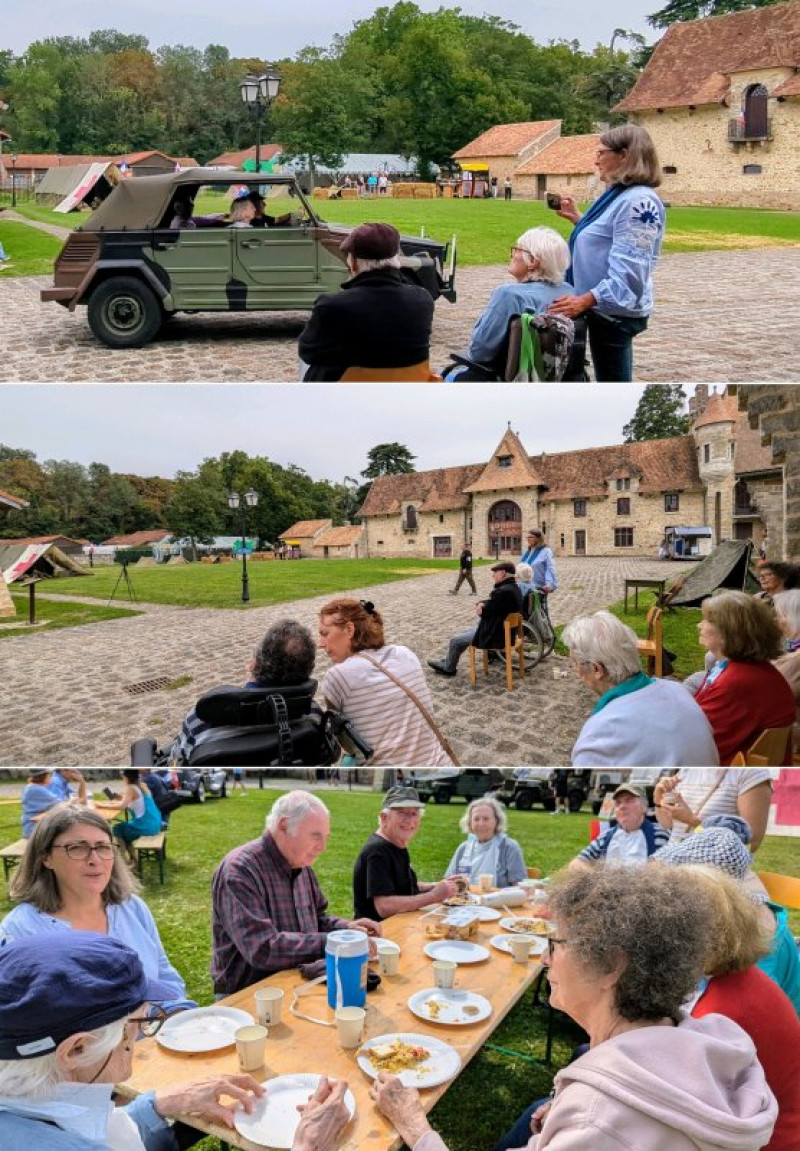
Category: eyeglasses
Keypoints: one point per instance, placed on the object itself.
(151, 1024)
(83, 851)
(515, 249)
(551, 946)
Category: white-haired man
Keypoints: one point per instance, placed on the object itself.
(384, 882)
(268, 912)
(637, 721)
(632, 839)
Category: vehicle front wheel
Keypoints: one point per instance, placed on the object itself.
(575, 801)
(524, 801)
(441, 796)
(124, 313)
(200, 794)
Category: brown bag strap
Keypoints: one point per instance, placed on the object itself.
(720, 776)
(426, 715)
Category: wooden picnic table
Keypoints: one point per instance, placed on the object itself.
(296, 1045)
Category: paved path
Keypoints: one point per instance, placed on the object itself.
(53, 229)
(64, 691)
(707, 312)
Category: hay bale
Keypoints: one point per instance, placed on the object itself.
(414, 190)
(175, 561)
(146, 562)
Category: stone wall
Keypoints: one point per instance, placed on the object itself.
(718, 476)
(525, 498)
(766, 493)
(775, 410)
(710, 170)
(582, 186)
(385, 535)
(647, 518)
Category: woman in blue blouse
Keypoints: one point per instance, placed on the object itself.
(72, 878)
(615, 245)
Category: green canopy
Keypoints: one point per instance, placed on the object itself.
(728, 566)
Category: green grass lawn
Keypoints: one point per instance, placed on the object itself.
(52, 614)
(30, 252)
(679, 627)
(220, 585)
(45, 215)
(512, 1061)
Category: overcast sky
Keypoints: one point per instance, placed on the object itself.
(273, 31)
(160, 429)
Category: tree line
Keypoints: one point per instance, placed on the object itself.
(95, 503)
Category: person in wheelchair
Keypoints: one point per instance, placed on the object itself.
(284, 658)
(538, 264)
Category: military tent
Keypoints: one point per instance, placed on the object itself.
(728, 566)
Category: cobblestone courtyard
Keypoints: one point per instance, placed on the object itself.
(64, 692)
(701, 329)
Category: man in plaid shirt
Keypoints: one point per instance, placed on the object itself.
(268, 910)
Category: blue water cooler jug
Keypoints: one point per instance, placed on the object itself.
(346, 957)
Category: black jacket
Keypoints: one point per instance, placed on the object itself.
(505, 599)
(377, 320)
(465, 560)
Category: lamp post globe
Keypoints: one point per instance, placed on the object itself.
(258, 92)
(235, 501)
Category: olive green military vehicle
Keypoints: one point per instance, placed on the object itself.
(137, 261)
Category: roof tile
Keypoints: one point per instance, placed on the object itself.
(568, 154)
(305, 529)
(506, 139)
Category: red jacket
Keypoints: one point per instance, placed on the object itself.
(754, 1001)
(742, 701)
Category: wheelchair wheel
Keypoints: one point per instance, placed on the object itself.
(533, 646)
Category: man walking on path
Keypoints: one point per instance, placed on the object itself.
(465, 571)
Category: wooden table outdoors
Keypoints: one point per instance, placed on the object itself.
(299, 1046)
(656, 584)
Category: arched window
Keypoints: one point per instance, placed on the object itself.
(505, 527)
(756, 124)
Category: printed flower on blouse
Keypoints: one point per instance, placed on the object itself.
(643, 226)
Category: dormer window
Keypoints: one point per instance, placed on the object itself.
(624, 485)
(504, 461)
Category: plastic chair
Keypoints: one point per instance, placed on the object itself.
(534, 872)
(652, 648)
(413, 373)
(782, 889)
(511, 646)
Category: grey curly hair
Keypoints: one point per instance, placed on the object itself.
(648, 916)
(285, 655)
(494, 805)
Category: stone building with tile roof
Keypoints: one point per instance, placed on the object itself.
(721, 99)
(613, 500)
(566, 166)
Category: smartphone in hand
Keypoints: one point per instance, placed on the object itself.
(554, 201)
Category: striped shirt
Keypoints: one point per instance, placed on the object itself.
(381, 712)
(266, 916)
(696, 782)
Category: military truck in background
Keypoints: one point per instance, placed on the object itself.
(468, 785)
(531, 786)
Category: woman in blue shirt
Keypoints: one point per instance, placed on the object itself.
(615, 245)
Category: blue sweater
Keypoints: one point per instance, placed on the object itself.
(506, 301)
(615, 254)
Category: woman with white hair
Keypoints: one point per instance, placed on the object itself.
(637, 721)
(487, 849)
(787, 609)
(538, 263)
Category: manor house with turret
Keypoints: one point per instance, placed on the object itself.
(604, 501)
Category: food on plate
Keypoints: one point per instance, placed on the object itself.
(462, 884)
(395, 1056)
(471, 1009)
(461, 900)
(435, 1008)
(530, 926)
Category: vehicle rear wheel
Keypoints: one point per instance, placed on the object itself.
(200, 794)
(524, 801)
(549, 803)
(124, 313)
(575, 800)
(441, 796)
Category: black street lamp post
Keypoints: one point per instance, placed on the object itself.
(250, 501)
(258, 92)
(14, 158)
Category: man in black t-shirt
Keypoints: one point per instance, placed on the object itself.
(383, 878)
(465, 570)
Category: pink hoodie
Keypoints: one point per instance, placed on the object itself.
(694, 1087)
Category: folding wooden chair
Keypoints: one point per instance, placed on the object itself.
(414, 373)
(514, 644)
(652, 648)
(782, 889)
(769, 750)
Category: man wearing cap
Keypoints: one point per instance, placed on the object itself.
(505, 599)
(38, 796)
(384, 882)
(377, 320)
(268, 912)
(632, 839)
(68, 1024)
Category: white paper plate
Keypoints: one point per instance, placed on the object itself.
(503, 943)
(442, 1064)
(454, 1008)
(485, 914)
(202, 1029)
(512, 923)
(456, 951)
(274, 1121)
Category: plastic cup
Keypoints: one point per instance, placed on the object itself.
(444, 972)
(486, 883)
(521, 947)
(269, 1005)
(251, 1046)
(388, 957)
(350, 1025)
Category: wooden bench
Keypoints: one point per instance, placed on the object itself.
(151, 847)
(12, 855)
